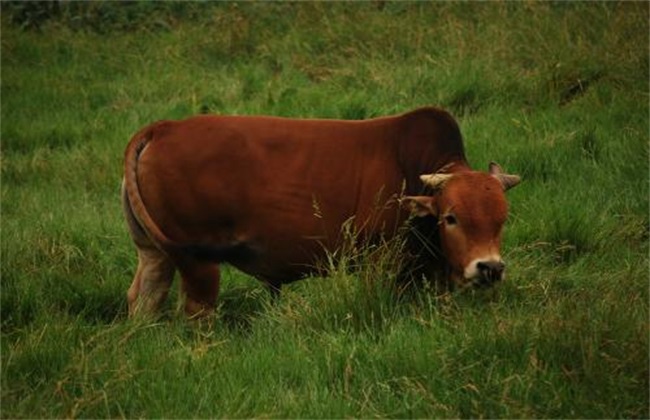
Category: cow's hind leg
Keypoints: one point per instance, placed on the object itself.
(200, 285)
(151, 282)
(155, 269)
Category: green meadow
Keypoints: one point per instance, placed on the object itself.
(555, 92)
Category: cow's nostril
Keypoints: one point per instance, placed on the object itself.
(491, 271)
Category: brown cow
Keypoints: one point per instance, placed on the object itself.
(245, 190)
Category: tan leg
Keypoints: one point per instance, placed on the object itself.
(155, 269)
(151, 282)
(200, 285)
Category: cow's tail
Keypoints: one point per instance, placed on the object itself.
(132, 190)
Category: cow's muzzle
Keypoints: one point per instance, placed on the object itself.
(488, 273)
(484, 272)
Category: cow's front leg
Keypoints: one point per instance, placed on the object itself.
(274, 287)
(200, 285)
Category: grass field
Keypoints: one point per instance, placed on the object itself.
(556, 92)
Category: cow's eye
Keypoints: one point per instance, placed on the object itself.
(450, 220)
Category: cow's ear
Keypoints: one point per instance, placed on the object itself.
(420, 205)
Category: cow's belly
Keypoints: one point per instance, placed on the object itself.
(267, 258)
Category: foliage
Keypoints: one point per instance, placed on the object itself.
(554, 91)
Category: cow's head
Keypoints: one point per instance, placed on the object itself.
(471, 209)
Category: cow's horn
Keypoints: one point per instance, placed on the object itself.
(435, 181)
(506, 180)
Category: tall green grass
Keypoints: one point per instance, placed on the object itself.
(557, 92)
